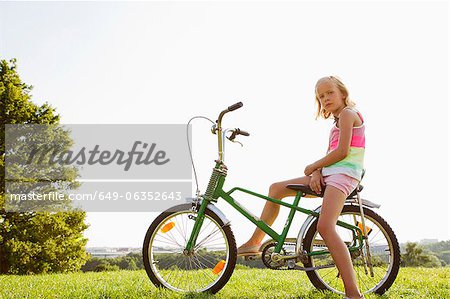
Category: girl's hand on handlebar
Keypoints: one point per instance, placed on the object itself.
(316, 182)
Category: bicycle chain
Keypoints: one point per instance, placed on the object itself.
(283, 267)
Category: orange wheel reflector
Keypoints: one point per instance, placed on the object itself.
(219, 267)
(368, 229)
(167, 227)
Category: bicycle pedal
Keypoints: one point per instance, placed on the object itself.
(291, 264)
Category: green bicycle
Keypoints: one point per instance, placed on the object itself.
(191, 247)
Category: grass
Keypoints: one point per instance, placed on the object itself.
(245, 283)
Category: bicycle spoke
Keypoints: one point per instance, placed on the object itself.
(167, 239)
(206, 267)
(211, 262)
(180, 232)
(213, 240)
(171, 243)
(204, 228)
(373, 237)
(184, 221)
(171, 247)
(173, 250)
(171, 235)
(171, 273)
(329, 272)
(185, 282)
(201, 270)
(362, 281)
(206, 238)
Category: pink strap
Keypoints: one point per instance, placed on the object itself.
(360, 116)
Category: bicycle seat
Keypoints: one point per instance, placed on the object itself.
(307, 190)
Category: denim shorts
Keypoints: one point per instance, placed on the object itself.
(341, 181)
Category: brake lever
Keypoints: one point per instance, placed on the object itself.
(235, 141)
(233, 136)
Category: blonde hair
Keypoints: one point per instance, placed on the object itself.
(343, 89)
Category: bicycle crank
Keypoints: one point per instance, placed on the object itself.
(278, 261)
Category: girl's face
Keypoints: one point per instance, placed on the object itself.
(330, 97)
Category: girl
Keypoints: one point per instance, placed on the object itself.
(339, 172)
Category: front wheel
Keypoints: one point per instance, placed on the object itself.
(384, 250)
(207, 269)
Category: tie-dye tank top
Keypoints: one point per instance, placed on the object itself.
(353, 164)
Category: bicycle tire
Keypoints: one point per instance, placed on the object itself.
(147, 251)
(394, 248)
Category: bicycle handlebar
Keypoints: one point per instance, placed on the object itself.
(235, 106)
(218, 129)
(229, 109)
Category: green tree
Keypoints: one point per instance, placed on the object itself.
(127, 263)
(34, 242)
(137, 258)
(416, 256)
(441, 250)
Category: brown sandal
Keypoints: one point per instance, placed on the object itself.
(248, 250)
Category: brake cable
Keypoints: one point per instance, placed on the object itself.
(197, 192)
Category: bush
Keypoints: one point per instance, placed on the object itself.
(105, 266)
(417, 256)
(132, 261)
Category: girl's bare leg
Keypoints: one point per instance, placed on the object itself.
(333, 202)
(270, 212)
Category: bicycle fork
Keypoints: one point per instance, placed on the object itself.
(199, 218)
(216, 181)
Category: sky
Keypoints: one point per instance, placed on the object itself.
(165, 62)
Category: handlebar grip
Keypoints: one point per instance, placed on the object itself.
(242, 132)
(235, 106)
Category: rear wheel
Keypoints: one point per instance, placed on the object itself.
(384, 249)
(207, 269)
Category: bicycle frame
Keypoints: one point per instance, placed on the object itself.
(218, 192)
